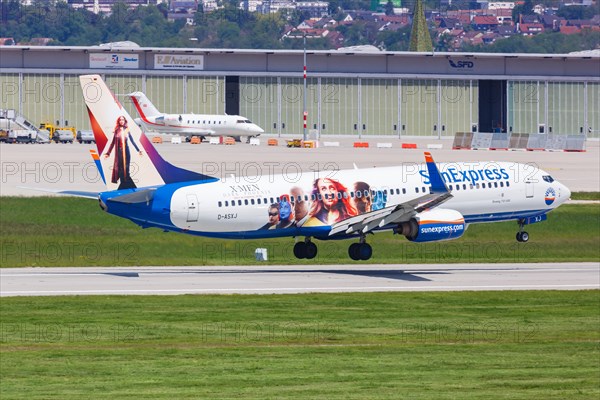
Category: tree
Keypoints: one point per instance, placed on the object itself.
(389, 8)
(420, 39)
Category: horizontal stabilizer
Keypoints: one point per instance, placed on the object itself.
(72, 193)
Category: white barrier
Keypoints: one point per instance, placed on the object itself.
(254, 142)
(435, 146)
(384, 145)
(261, 254)
(331, 144)
(176, 140)
(214, 140)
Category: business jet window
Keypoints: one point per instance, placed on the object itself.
(548, 178)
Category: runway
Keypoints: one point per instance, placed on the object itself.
(296, 279)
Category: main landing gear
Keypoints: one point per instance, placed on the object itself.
(306, 249)
(357, 251)
(522, 236)
(361, 250)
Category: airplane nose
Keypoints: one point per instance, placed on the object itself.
(565, 192)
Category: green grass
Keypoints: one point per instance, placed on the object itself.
(75, 232)
(585, 195)
(463, 345)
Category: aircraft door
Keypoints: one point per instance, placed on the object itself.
(192, 205)
(529, 189)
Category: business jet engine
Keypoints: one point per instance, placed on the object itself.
(433, 225)
(173, 120)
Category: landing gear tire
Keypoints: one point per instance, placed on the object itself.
(300, 250)
(353, 251)
(360, 251)
(310, 250)
(522, 237)
(365, 251)
(306, 249)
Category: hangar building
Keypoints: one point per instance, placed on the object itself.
(350, 92)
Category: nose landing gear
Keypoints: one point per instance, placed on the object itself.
(522, 236)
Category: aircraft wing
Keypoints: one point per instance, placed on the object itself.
(366, 222)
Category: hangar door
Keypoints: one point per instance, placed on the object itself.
(492, 106)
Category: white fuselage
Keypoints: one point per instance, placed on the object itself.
(200, 125)
(482, 192)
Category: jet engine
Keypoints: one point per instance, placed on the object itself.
(433, 225)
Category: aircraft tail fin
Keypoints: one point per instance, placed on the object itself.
(126, 157)
(144, 106)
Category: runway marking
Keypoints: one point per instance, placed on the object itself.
(311, 289)
(119, 274)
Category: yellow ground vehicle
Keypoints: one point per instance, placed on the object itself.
(54, 132)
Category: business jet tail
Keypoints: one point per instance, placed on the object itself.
(144, 106)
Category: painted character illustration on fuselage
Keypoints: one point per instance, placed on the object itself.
(330, 203)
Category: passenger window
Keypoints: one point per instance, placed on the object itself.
(496, 184)
(358, 194)
(450, 187)
(226, 203)
(464, 186)
(252, 201)
(239, 202)
(403, 190)
(416, 190)
(501, 184)
(220, 204)
(246, 202)
(507, 184)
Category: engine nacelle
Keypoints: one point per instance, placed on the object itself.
(434, 225)
(173, 120)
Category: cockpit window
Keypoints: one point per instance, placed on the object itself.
(548, 178)
(248, 121)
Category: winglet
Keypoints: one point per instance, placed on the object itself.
(437, 182)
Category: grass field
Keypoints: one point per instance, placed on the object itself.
(585, 196)
(462, 345)
(45, 231)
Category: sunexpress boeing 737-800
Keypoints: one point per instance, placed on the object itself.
(425, 203)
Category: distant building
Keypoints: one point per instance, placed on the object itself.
(316, 9)
(105, 6)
